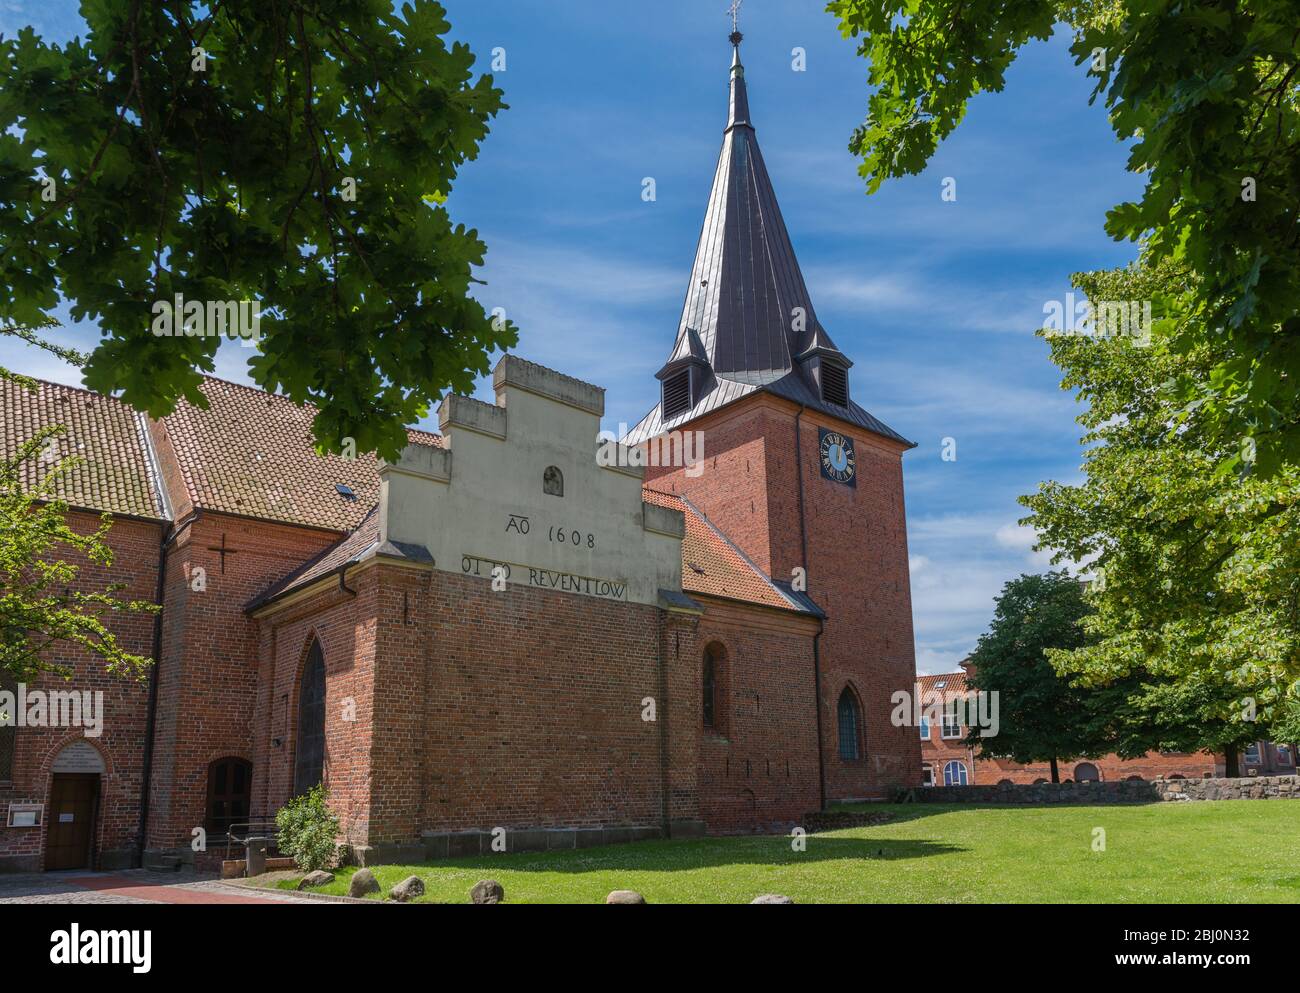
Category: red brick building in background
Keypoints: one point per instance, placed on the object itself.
(499, 631)
(946, 759)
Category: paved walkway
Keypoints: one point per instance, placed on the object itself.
(133, 886)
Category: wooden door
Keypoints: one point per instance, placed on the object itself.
(73, 802)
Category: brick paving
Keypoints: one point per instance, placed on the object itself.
(133, 886)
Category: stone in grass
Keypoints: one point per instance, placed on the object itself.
(487, 891)
(363, 882)
(771, 898)
(625, 896)
(407, 890)
(314, 879)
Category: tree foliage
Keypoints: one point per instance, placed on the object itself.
(1201, 711)
(1196, 571)
(1208, 96)
(41, 608)
(1042, 717)
(289, 152)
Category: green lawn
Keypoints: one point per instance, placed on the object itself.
(1215, 852)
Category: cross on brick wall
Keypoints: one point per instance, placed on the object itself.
(224, 551)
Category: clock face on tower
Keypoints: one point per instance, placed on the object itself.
(838, 460)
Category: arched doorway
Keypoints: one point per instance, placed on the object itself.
(230, 785)
(74, 807)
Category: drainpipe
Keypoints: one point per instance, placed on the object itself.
(151, 710)
(665, 811)
(817, 661)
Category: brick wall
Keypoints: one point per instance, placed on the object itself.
(758, 766)
(857, 566)
(938, 752)
(135, 546)
(208, 673)
(345, 624)
(1188, 765)
(532, 715)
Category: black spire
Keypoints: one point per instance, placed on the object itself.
(748, 322)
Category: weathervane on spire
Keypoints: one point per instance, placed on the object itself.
(734, 11)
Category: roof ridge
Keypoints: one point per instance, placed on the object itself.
(77, 389)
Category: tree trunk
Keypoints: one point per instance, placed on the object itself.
(1231, 767)
(1056, 773)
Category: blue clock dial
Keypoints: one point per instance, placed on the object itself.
(837, 457)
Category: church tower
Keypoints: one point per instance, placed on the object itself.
(804, 480)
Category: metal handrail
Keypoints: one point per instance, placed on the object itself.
(251, 829)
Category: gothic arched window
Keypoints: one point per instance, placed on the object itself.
(714, 655)
(849, 722)
(309, 756)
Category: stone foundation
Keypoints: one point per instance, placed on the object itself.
(436, 845)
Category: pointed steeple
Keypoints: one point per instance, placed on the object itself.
(748, 322)
(739, 94)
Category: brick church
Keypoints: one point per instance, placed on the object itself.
(500, 630)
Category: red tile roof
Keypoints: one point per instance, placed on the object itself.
(954, 682)
(252, 453)
(712, 564)
(116, 472)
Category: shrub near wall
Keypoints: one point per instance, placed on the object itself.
(1120, 791)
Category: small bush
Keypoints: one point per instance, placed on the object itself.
(308, 829)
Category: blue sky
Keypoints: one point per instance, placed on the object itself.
(935, 301)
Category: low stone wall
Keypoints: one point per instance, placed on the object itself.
(838, 820)
(1120, 791)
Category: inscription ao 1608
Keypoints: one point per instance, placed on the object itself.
(559, 534)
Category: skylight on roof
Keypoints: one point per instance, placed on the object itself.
(941, 684)
(345, 491)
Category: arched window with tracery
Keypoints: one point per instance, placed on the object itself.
(849, 716)
(309, 754)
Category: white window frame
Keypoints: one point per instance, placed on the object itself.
(1257, 760)
(925, 728)
(927, 774)
(964, 779)
(946, 727)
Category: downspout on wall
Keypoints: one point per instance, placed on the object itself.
(817, 661)
(151, 709)
(662, 715)
(170, 530)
